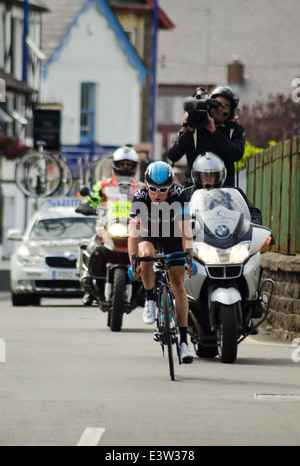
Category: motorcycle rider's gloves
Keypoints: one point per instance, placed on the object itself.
(96, 198)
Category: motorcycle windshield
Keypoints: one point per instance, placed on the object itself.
(221, 216)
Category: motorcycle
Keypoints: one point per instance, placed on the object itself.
(227, 293)
(103, 261)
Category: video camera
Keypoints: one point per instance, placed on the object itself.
(198, 107)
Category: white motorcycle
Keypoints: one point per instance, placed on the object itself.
(227, 293)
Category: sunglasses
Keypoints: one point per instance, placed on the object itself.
(224, 106)
(154, 189)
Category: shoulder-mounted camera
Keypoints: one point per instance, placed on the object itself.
(198, 108)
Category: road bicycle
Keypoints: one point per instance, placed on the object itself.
(167, 329)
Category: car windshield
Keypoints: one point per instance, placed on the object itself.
(63, 228)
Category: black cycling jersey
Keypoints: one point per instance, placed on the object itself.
(160, 220)
(160, 223)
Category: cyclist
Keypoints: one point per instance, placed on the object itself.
(160, 216)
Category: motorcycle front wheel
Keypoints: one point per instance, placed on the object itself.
(118, 300)
(227, 333)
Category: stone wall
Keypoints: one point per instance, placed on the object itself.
(284, 316)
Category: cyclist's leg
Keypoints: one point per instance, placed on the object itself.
(146, 248)
(176, 276)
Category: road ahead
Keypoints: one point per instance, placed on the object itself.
(65, 372)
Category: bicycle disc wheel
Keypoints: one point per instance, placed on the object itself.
(168, 334)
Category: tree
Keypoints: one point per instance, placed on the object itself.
(277, 119)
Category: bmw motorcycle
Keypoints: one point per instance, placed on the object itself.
(227, 299)
(104, 261)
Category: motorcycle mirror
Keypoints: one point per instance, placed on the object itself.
(85, 191)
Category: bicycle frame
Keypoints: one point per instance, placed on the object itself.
(167, 329)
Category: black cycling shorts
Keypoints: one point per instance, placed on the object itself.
(168, 246)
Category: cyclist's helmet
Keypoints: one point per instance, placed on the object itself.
(209, 164)
(159, 173)
(124, 154)
(230, 94)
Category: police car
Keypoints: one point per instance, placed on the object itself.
(44, 263)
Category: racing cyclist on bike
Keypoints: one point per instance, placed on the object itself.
(160, 216)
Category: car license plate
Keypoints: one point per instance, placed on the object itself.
(64, 275)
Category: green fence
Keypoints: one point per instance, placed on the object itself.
(273, 185)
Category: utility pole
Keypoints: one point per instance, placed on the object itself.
(25, 35)
(154, 65)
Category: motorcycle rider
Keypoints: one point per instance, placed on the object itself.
(222, 136)
(209, 172)
(160, 190)
(125, 163)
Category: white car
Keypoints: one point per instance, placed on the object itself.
(44, 264)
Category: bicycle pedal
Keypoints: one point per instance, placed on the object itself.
(156, 337)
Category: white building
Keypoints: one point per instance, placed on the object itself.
(95, 73)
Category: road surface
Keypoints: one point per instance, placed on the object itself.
(67, 380)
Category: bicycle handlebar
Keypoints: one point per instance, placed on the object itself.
(161, 257)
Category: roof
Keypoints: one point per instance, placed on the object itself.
(65, 14)
(34, 4)
(142, 6)
(13, 84)
(55, 24)
(57, 212)
(209, 34)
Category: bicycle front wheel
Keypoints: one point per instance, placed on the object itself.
(168, 334)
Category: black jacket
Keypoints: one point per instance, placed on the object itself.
(228, 142)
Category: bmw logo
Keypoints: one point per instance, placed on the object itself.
(222, 231)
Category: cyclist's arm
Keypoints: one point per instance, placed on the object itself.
(187, 235)
(133, 239)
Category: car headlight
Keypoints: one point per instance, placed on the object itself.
(29, 261)
(235, 255)
(118, 229)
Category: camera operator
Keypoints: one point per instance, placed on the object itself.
(210, 125)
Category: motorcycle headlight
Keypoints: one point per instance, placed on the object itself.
(118, 229)
(235, 255)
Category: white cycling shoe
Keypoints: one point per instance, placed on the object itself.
(149, 312)
(186, 354)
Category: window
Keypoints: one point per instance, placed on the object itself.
(87, 113)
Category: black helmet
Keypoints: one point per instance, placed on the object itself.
(230, 94)
(208, 164)
(122, 154)
(159, 173)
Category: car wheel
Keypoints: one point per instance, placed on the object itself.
(20, 300)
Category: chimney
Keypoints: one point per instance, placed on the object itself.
(235, 72)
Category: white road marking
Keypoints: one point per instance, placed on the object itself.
(252, 341)
(277, 397)
(91, 437)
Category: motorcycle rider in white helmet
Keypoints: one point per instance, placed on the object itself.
(125, 163)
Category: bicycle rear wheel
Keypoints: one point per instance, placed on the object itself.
(168, 334)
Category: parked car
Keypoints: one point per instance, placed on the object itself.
(44, 263)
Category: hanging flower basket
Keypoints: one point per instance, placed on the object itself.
(11, 148)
